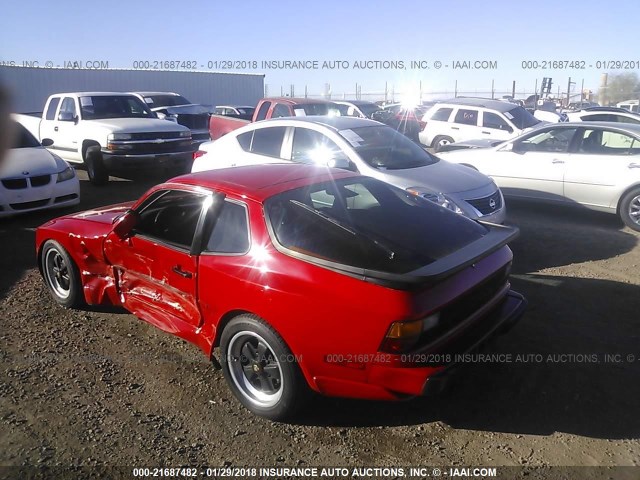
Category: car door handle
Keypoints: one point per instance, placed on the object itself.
(55, 129)
(455, 128)
(634, 165)
(488, 133)
(555, 160)
(181, 272)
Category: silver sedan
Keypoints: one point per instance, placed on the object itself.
(362, 145)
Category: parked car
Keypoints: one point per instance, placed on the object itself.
(405, 119)
(238, 111)
(267, 108)
(630, 105)
(277, 266)
(32, 178)
(109, 132)
(357, 108)
(581, 105)
(174, 107)
(591, 164)
(463, 119)
(358, 144)
(604, 114)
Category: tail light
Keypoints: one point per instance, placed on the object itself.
(403, 336)
(198, 154)
(422, 124)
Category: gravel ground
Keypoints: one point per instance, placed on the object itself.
(103, 388)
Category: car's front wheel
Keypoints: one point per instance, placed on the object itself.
(260, 369)
(96, 169)
(61, 275)
(630, 209)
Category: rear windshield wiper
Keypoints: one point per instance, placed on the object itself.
(390, 253)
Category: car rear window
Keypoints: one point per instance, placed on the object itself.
(365, 223)
(442, 114)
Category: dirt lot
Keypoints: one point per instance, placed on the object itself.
(91, 387)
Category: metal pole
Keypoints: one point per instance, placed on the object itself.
(513, 89)
(493, 90)
(569, 91)
(455, 91)
(582, 91)
(535, 97)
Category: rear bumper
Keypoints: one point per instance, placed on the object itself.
(121, 162)
(432, 365)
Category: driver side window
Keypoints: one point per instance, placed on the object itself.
(172, 217)
(555, 140)
(314, 148)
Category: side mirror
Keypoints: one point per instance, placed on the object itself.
(509, 147)
(125, 223)
(340, 162)
(46, 142)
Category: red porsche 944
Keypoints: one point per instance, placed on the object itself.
(298, 278)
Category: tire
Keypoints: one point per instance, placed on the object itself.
(440, 141)
(96, 169)
(630, 209)
(260, 369)
(61, 275)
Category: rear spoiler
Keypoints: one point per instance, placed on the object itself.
(497, 237)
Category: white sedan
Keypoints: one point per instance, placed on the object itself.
(371, 148)
(32, 178)
(593, 164)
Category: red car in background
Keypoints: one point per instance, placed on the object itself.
(305, 278)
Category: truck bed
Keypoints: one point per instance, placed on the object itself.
(220, 125)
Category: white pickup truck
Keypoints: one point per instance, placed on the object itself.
(109, 132)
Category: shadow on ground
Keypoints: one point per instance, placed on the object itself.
(540, 396)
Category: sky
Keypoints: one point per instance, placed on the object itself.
(366, 43)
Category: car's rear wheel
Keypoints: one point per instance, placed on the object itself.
(61, 275)
(96, 170)
(440, 141)
(630, 209)
(260, 369)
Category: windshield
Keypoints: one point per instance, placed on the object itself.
(521, 118)
(155, 101)
(365, 223)
(113, 106)
(22, 138)
(384, 148)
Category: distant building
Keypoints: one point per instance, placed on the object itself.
(30, 87)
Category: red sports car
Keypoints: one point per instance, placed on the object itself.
(307, 279)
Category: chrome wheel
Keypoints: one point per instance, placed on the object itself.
(57, 273)
(634, 210)
(255, 369)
